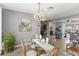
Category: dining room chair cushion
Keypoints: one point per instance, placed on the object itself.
(31, 53)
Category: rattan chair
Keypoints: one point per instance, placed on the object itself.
(26, 51)
(24, 48)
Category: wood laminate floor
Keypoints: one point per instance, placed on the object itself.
(61, 44)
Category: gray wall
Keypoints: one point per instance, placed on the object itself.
(10, 22)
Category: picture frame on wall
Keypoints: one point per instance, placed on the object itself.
(25, 25)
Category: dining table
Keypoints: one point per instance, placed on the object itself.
(45, 46)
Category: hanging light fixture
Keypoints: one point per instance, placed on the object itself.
(39, 15)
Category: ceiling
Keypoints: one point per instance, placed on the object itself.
(59, 10)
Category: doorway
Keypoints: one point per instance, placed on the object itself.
(43, 29)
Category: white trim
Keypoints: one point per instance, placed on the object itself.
(0, 29)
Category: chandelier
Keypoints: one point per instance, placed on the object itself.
(39, 15)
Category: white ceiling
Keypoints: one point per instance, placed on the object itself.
(60, 10)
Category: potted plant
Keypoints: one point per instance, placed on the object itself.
(9, 42)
